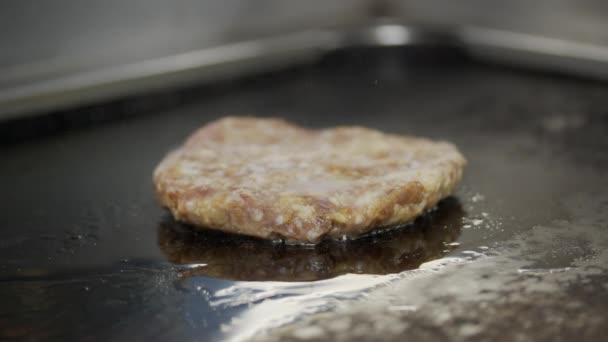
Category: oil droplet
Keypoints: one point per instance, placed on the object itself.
(477, 198)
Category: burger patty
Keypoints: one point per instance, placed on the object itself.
(272, 179)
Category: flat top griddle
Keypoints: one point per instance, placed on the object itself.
(88, 255)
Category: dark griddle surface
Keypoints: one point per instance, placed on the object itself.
(82, 239)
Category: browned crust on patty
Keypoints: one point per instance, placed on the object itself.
(271, 179)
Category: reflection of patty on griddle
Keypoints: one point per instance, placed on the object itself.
(234, 257)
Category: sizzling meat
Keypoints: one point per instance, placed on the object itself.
(271, 179)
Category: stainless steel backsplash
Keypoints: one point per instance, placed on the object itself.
(51, 36)
(579, 20)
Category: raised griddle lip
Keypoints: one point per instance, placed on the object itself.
(69, 90)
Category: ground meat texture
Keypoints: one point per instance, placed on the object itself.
(272, 179)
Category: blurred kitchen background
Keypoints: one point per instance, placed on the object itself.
(63, 53)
